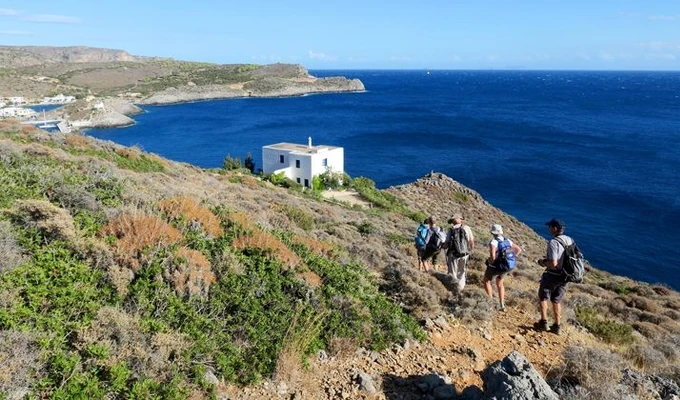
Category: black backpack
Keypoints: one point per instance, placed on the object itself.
(573, 263)
(458, 247)
(436, 240)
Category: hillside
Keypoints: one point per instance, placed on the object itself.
(126, 275)
(34, 72)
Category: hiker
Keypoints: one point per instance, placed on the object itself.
(553, 284)
(459, 244)
(435, 242)
(422, 234)
(502, 258)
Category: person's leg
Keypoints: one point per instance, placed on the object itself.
(544, 310)
(557, 311)
(501, 290)
(461, 266)
(487, 284)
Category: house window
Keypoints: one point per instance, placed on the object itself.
(324, 162)
(306, 182)
(298, 180)
(297, 163)
(281, 158)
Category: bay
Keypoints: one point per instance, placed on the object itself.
(596, 149)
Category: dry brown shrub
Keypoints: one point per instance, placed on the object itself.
(190, 273)
(662, 290)
(311, 278)
(269, 243)
(641, 303)
(188, 208)
(422, 294)
(131, 153)
(28, 129)
(79, 141)
(53, 222)
(646, 357)
(19, 361)
(597, 370)
(99, 255)
(250, 182)
(136, 233)
(303, 329)
(672, 314)
(343, 347)
(11, 254)
(38, 150)
(673, 304)
(315, 246)
(649, 330)
(150, 355)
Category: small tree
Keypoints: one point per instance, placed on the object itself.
(249, 163)
(231, 163)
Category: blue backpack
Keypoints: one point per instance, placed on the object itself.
(505, 259)
(421, 235)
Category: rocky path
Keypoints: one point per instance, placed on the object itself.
(448, 363)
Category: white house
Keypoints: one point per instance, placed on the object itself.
(17, 100)
(301, 163)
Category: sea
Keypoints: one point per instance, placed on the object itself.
(599, 150)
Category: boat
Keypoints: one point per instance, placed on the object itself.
(45, 124)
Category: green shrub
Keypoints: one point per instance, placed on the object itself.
(300, 218)
(608, 330)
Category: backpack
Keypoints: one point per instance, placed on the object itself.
(459, 242)
(505, 260)
(437, 239)
(573, 263)
(421, 235)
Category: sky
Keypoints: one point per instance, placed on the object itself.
(367, 34)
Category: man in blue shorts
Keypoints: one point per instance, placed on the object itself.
(553, 285)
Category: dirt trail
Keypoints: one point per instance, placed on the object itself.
(454, 349)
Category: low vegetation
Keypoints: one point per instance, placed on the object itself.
(105, 295)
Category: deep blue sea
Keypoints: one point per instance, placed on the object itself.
(596, 149)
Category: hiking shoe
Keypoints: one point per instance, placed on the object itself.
(541, 325)
(554, 328)
(501, 307)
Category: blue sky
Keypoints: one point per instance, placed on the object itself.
(397, 34)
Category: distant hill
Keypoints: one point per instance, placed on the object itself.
(34, 72)
(24, 56)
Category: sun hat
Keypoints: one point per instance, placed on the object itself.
(496, 229)
(453, 219)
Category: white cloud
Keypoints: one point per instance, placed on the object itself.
(7, 12)
(661, 46)
(607, 56)
(51, 19)
(321, 56)
(665, 56)
(664, 17)
(15, 33)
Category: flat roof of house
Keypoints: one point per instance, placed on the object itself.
(300, 148)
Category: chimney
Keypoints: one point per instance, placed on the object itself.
(309, 142)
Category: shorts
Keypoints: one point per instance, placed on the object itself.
(552, 287)
(431, 253)
(492, 272)
(421, 253)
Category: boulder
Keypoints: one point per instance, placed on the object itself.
(515, 378)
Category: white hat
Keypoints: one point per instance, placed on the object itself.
(496, 229)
